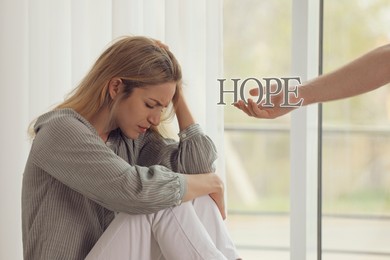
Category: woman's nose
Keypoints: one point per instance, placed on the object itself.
(154, 119)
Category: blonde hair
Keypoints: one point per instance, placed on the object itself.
(139, 61)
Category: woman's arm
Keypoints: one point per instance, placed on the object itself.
(195, 152)
(193, 155)
(183, 113)
(206, 184)
(68, 150)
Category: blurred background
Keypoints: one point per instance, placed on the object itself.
(355, 144)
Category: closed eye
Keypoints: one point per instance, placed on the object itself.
(149, 106)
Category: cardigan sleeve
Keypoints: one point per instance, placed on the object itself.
(194, 153)
(69, 151)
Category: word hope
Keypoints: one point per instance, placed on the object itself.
(268, 90)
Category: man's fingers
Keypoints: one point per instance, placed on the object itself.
(256, 109)
(241, 105)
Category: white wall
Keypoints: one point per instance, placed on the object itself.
(13, 102)
(47, 46)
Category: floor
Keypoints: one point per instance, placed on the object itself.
(267, 237)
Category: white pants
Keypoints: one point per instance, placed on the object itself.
(193, 230)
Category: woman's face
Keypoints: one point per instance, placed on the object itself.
(142, 109)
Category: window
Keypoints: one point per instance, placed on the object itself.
(355, 177)
(257, 40)
(356, 140)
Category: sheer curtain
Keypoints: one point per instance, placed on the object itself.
(47, 46)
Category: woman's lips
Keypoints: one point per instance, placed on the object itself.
(143, 129)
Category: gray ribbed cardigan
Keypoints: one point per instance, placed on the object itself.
(74, 182)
